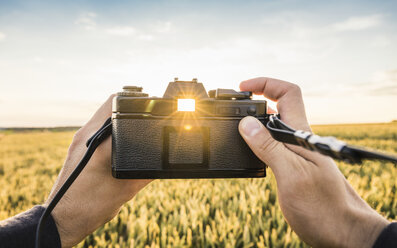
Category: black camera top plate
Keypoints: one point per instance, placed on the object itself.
(219, 103)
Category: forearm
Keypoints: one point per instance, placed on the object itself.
(20, 230)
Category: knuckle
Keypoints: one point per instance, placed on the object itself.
(264, 144)
(267, 149)
(79, 139)
(79, 135)
(295, 88)
(110, 99)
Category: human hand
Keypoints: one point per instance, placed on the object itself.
(317, 201)
(95, 197)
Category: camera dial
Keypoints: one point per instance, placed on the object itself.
(229, 94)
(134, 91)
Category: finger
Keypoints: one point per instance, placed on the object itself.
(270, 110)
(99, 118)
(290, 106)
(273, 153)
(91, 127)
(287, 95)
(104, 112)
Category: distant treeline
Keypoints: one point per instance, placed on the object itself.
(37, 129)
(63, 129)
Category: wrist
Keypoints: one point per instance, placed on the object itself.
(365, 226)
(71, 228)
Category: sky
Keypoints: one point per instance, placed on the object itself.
(59, 61)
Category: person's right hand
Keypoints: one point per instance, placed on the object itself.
(315, 198)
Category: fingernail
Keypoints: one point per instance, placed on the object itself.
(250, 126)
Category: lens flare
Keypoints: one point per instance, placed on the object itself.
(186, 105)
(188, 127)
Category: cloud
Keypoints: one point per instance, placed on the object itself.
(164, 27)
(386, 90)
(358, 23)
(146, 37)
(159, 28)
(384, 84)
(2, 36)
(125, 31)
(86, 20)
(121, 31)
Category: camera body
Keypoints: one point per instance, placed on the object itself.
(185, 134)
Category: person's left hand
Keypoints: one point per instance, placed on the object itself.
(95, 197)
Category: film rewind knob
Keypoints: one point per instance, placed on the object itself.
(134, 91)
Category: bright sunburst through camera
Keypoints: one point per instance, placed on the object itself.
(187, 127)
(186, 105)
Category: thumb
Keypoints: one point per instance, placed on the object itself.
(273, 153)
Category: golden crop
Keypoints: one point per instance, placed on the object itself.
(184, 213)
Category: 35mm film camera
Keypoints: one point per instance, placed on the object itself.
(185, 134)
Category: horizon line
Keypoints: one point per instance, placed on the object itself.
(77, 127)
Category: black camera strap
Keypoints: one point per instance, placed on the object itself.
(92, 143)
(279, 130)
(329, 146)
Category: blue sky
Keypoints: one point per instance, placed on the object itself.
(60, 60)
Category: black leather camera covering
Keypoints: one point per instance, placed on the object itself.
(216, 150)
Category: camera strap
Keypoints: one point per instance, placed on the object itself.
(328, 146)
(92, 144)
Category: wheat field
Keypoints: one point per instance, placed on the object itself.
(191, 213)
